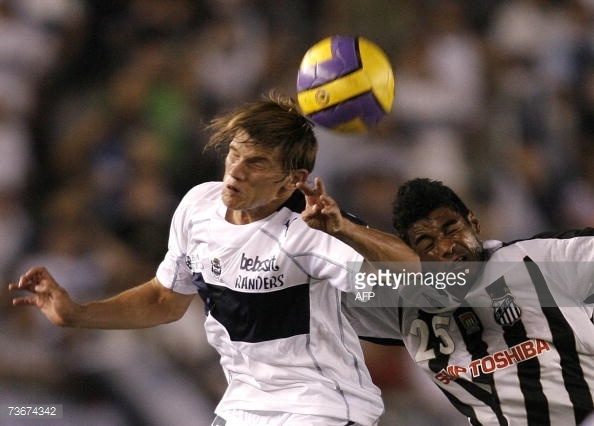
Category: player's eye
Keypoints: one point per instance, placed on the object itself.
(257, 164)
(453, 229)
(232, 156)
(425, 245)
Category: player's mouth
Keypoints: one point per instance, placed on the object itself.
(460, 262)
(230, 194)
(453, 265)
(232, 189)
(463, 254)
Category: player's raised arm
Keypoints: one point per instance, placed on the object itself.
(323, 213)
(143, 306)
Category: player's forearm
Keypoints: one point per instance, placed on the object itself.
(375, 245)
(140, 307)
(110, 314)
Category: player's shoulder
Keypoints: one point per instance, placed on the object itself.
(553, 237)
(199, 201)
(206, 190)
(549, 244)
(560, 235)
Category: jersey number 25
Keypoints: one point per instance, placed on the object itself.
(428, 337)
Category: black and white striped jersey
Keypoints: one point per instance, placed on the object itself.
(272, 290)
(520, 349)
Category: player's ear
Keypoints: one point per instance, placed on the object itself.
(474, 222)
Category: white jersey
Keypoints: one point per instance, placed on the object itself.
(520, 349)
(272, 291)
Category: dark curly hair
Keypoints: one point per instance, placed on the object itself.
(417, 198)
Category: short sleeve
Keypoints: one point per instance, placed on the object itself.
(173, 272)
(379, 325)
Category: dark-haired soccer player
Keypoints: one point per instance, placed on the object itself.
(516, 346)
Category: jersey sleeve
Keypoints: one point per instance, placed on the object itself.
(172, 271)
(379, 325)
(566, 259)
(582, 250)
(571, 233)
(326, 258)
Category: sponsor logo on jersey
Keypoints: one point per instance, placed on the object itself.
(258, 265)
(259, 282)
(469, 323)
(264, 280)
(496, 361)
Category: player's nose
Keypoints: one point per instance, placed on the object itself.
(445, 248)
(237, 169)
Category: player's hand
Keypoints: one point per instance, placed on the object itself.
(46, 295)
(321, 211)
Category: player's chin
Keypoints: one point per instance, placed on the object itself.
(230, 197)
(233, 202)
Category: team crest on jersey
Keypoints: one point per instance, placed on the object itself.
(506, 311)
(215, 267)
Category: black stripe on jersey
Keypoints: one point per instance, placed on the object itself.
(471, 331)
(564, 341)
(259, 317)
(488, 398)
(472, 335)
(535, 401)
(463, 408)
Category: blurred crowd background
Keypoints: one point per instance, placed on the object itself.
(103, 105)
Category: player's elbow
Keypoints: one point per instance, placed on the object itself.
(173, 314)
(171, 306)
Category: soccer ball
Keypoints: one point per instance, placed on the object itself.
(345, 83)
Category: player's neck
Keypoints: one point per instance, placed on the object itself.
(243, 217)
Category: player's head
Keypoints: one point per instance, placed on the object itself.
(435, 222)
(270, 148)
(273, 123)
